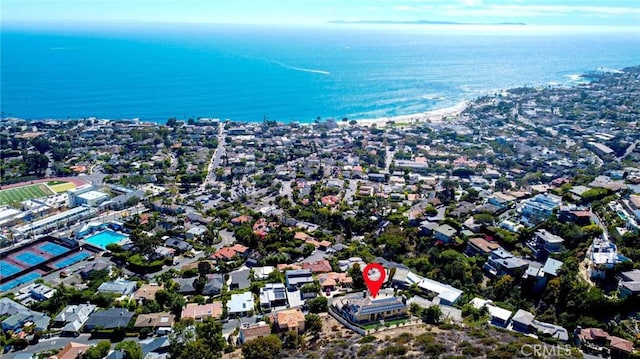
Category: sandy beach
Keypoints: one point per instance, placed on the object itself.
(429, 116)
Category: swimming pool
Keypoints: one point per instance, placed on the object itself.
(104, 238)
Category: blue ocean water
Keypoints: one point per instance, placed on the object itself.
(287, 73)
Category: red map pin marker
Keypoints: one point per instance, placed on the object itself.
(374, 276)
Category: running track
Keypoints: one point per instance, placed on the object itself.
(75, 180)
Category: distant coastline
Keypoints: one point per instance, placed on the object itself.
(421, 22)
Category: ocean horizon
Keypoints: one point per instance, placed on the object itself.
(283, 73)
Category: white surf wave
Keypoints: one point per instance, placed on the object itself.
(574, 77)
(606, 69)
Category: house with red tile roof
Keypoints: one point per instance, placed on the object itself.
(302, 236)
(200, 312)
(261, 228)
(78, 169)
(240, 220)
(290, 319)
(332, 280)
(619, 346)
(313, 242)
(240, 249)
(254, 331)
(284, 266)
(594, 339)
(225, 253)
(330, 200)
(228, 253)
(321, 266)
(72, 350)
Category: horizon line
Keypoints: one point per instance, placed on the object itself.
(420, 22)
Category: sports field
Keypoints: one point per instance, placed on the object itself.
(60, 187)
(19, 194)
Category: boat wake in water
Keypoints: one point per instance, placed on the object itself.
(302, 69)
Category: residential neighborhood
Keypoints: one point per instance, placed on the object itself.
(519, 217)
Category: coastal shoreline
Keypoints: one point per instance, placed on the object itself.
(431, 116)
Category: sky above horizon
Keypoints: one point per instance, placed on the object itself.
(534, 12)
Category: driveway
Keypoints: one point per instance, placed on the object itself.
(315, 256)
(230, 326)
(228, 238)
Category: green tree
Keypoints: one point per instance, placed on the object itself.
(503, 288)
(313, 323)
(183, 332)
(41, 144)
(35, 163)
(145, 243)
(430, 211)
(485, 218)
(131, 349)
(268, 347)
(210, 333)
(356, 273)
(318, 305)
(98, 351)
(197, 349)
(292, 340)
(502, 184)
(244, 234)
(432, 314)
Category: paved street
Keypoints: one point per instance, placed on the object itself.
(215, 159)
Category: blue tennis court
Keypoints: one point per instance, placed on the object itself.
(63, 263)
(8, 269)
(20, 280)
(31, 259)
(53, 249)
